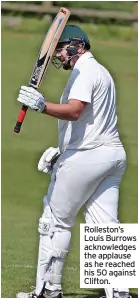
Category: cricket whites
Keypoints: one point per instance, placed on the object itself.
(44, 57)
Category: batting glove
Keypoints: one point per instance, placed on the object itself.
(31, 98)
(48, 159)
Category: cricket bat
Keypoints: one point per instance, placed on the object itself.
(44, 57)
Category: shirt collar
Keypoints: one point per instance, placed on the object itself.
(82, 58)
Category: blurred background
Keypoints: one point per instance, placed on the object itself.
(112, 28)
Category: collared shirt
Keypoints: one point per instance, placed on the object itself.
(92, 83)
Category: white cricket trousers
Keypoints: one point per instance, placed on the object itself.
(88, 178)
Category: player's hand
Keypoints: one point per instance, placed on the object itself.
(31, 98)
(48, 159)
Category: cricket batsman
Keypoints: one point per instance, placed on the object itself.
(88, 165)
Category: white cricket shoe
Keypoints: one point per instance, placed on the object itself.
(45, 294)
(26, 295)
(119, 295)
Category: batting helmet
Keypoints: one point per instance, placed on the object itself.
(74, 33)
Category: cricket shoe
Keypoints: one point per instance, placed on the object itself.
(31, 294)
(45, 294)
(27, 295)
(121, 295)
(52, 294)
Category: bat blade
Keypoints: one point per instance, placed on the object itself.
(44, 57)
(48, 47)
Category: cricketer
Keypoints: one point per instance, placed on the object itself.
(88, 165)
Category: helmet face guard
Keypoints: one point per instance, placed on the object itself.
(72, 51)
(58, 64)
(55, 60)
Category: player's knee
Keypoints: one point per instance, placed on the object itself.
(49, 223)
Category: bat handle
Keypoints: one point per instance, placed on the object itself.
(20, 119)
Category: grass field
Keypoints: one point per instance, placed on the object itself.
(23, 186)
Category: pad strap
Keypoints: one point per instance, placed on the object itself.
(57, 253)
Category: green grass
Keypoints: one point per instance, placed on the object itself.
(23, 187)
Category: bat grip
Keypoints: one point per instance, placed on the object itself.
(20, 119)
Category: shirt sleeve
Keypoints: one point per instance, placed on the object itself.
(82, 84)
